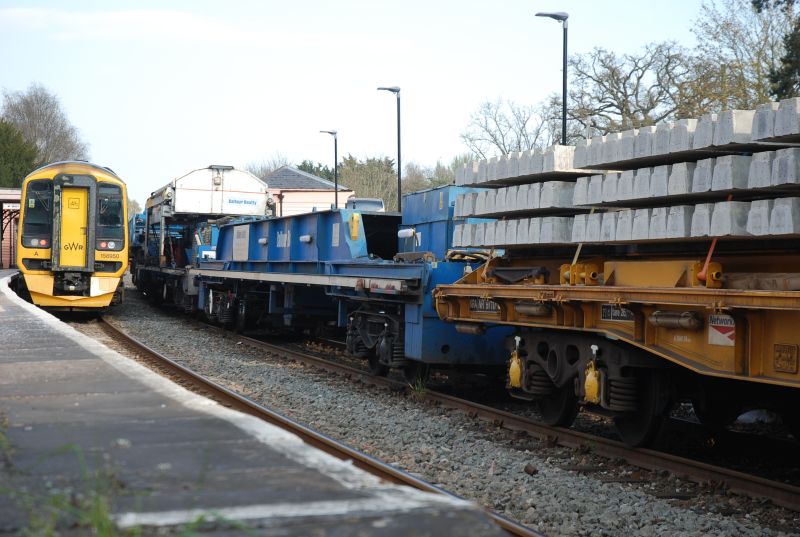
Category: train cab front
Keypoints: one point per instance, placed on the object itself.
(72, 249)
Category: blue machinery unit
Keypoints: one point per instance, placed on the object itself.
(370, 274)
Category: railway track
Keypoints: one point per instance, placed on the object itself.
(231, 399)
(782, 494)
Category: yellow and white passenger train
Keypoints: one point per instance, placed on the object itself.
(72, 247)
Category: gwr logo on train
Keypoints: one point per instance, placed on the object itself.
(73, 246)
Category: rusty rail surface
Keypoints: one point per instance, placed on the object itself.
(314, 438)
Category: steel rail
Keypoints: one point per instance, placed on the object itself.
(782, 494)
(314, 438)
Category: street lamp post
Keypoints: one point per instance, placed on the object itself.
(396, 91)
(561, 16)
(335, 167)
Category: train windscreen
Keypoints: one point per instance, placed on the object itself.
(37, 227)
(110, 223)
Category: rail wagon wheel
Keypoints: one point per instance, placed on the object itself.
(416, 373)
(641, 427)
(561, 407)
(713, 414)
(376, 367)
(240, 322)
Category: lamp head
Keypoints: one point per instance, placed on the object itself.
(332, 133)
(557, 15)
(393, 89)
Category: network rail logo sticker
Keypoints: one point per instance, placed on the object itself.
(721, 330)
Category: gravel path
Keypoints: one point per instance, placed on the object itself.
(552, 489)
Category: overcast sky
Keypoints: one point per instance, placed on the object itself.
(161, 88)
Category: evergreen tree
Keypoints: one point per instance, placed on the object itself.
(17, 156)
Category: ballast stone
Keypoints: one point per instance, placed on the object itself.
(785, 217)
(760, 173)
(703, 175)
(764, 121)
(758, 217)
(730, 171)
(704, 133)
(734, 127)
(680, 178)
(786, 166)
(787, 119)
(682, 134)
(679, 221)
(729, 218)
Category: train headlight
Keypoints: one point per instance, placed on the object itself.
(38, 243)
(106, 244)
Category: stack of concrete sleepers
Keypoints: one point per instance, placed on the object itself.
(747, 188)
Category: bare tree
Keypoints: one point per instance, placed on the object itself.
(37, 113)
(264, 167)
(504, 127)
(738, 47)
(613, 93)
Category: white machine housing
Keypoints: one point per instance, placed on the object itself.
(221, 190)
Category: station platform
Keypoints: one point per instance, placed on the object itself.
(88, 436)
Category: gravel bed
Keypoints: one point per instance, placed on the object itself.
(552, 489)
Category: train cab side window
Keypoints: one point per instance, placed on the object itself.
(110, 224)
(37, 227)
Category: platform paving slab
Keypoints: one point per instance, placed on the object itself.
(87, 420)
